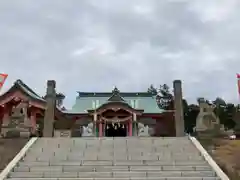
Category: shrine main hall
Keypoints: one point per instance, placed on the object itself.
(25, 113)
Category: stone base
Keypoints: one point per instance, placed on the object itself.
(15, 133)
(210, 133)
(25, 134)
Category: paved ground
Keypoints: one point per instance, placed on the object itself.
(8, 149)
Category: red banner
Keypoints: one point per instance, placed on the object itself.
(238, 78)
(3, 78)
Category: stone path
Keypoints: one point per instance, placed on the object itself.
(113, 159)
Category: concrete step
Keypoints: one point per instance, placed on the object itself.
(124, 178)
(123, 174)
(113, 158)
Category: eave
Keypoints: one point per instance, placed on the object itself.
(23, 92)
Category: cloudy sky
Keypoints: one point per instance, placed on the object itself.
(92, 45)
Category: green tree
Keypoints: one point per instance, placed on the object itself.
(190, 119)
(187, 120)
(225, 111)
(163, 95)
(152, 90)
(230, 110)
(237, 121)
(220, 109)
(219, 102)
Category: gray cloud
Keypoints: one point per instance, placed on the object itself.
(91, 46)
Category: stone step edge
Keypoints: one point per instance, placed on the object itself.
(17, 158)
(209, 159)
(122, 178)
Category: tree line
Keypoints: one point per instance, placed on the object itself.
(226, 111)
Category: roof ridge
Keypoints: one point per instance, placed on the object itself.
(116, 95)
(127, 94)
(21, 83)
(110, 92)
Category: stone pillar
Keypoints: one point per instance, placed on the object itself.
(100, 129)
(50, 109)
(178, 105)
(104, 129)
(130, 128)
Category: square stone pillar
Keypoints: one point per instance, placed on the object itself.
(104, 129)
(134, 125)
(49, 115)
(100, 133)
(178, 105)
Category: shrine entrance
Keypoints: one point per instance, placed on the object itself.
(115, 130)
(115, 117)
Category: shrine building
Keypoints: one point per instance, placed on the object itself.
(25, 113)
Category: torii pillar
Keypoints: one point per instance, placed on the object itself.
(50, 109)
(178, 106)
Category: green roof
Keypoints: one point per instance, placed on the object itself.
(137, 100)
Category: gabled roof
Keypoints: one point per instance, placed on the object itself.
(116, 97)
(138, 100)
(19, 84)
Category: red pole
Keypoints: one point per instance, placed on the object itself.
(238, 79)
(130, 127)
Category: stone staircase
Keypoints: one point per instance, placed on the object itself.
(129, 158)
